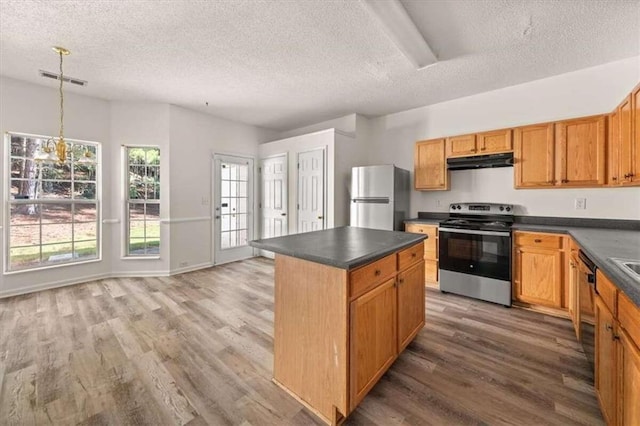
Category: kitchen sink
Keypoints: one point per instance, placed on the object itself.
(631, 267)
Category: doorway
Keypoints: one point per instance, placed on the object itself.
(233, 208)
(311, 190)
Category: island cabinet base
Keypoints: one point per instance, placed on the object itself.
(337, 331)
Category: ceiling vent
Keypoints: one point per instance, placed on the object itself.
(54, 76)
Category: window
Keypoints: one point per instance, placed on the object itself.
(53, 207)
(143, 201)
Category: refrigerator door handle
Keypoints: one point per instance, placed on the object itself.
(372, 200)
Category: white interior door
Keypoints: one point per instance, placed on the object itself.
(233, 208)
(273, 202)
(311, 191)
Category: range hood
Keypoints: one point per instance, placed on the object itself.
(480, 161)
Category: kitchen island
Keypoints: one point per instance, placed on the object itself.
(347, 302)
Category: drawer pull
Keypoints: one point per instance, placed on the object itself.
(537, 240)
(413, 255)
(377, 272)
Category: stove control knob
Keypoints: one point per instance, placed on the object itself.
(501, 208)
(459, 207)
(508, 209)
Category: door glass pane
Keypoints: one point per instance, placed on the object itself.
(233, 208)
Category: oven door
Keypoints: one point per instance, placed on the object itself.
(475, 252)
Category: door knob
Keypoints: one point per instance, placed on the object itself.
(320, 217)
(283, 214)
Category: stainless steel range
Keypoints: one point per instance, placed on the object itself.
(475, 251)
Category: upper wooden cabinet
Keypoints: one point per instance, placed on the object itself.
(624, 142)
(430, 166)
(613, 159)
(461, 146)
(581, 151)
(634, 172)
(534, 156)
(492, 142)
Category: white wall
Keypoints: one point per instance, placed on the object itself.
(28, 108)
(187, 141)
(136, 124)
(586, 92)
(195, 138)
(292, 147)
(346, 124)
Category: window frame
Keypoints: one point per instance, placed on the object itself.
(71, 202)
(126, 255)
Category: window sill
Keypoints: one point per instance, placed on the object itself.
(44, 268)
(140, 258)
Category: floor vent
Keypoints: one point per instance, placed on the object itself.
(54, 76)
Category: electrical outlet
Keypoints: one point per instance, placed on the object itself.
(438, 203)
(581, 203)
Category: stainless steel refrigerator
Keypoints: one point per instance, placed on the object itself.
(379, 197)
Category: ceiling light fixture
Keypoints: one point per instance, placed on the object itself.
(56, 150)
(402, 31)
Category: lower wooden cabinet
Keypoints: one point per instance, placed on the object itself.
(373, 338)
(537, 277)
(430, 249)
(410, 304)
(573, 305)
(629, 388)
(605, 361)
(617, 355)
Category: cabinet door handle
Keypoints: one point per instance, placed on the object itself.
(565, 181)
(401, 280)
(537, 240)
(608, 327)
(614, 178)
(377, 272)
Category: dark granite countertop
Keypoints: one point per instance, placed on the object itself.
(345, 247)
(600, 245)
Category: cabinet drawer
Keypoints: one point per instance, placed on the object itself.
(369, 276)
(607, 291)
(629, 317)
(538, 240)
(408, 257)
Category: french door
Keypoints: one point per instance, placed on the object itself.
(233, 208)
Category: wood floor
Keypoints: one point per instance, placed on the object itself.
(197, 349)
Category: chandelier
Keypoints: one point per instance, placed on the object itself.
(56, 150)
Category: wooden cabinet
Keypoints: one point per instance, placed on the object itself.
(537, 273)
(581, 152)
(605, 359)
(410, 304)
(534, 156)
(634, 143)
(613, 149)
(494, 142)
(461, 146)
(430, 249)
(629, 386)
(430, 165)
(373, 338)
(617, 354)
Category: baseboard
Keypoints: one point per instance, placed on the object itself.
(191, 268)
(87, 278)
(50, 285)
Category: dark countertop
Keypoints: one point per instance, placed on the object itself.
(600, 245)
(345, 247)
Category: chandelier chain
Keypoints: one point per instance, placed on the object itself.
(61, 101)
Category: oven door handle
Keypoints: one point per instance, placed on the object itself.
(474, 232)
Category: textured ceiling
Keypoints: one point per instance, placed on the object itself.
(283, 64)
